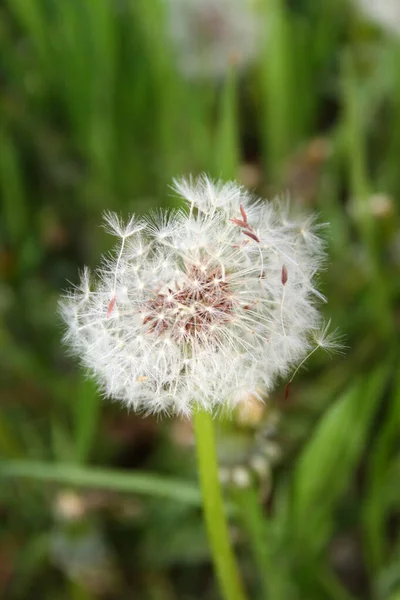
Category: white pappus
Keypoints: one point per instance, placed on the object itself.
(200, 306)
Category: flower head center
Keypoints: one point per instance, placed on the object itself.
(193, 308)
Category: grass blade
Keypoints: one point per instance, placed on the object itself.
(142, 483)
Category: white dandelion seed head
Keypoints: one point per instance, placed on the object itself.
(209, 35)
(385, 13)
(202, 306)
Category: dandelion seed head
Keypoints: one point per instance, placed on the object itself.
(209, 35)
(189, 311)
(386, 13)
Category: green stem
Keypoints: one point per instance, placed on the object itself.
(214, 511)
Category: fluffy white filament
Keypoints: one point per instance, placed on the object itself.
(200, 306)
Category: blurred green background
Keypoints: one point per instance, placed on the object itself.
(102, 103)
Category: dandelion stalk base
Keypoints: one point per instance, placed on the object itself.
(214, 511)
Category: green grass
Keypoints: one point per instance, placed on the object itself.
(95, 115)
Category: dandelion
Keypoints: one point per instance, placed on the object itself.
(209, 35)
(386, 13)
(199, 307)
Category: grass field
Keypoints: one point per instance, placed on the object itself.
(101, 106)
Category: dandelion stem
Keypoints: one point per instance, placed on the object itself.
(214, 512)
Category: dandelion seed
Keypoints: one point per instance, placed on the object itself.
(330, 341)
(284, 275)
(111, 305)
(238, 222)
(243, 213)
(251, 235)
(204, 317)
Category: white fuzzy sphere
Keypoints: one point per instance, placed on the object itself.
(200, 306)
(385, 13)
(210, 35)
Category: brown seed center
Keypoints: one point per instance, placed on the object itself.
(195, 308)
